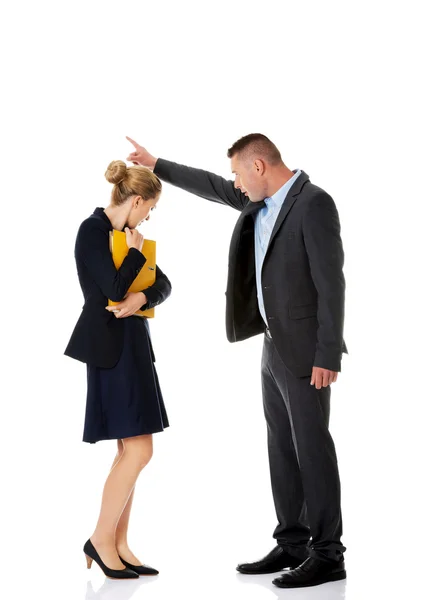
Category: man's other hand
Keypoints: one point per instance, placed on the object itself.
(322, 377)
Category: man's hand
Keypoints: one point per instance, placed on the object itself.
(128, 307)
(141, 156)
(322, 377)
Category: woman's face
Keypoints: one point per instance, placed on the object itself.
(140, 211)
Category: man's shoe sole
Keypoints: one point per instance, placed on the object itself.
(267, 572)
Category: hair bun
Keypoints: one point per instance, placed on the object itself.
(116, 171)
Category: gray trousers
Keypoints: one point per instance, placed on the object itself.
(303, 464)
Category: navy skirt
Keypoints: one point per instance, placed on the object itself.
(126, 400)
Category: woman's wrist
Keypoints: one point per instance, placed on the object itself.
(143, 299)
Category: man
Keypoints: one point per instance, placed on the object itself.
(285, 280)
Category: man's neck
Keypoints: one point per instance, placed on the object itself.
(278, 179)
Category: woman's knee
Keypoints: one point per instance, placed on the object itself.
(120, 447)
(139, 448)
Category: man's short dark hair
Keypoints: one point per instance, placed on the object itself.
(256, 145)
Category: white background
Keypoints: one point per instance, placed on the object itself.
(335, 86)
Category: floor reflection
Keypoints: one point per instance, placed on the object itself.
(114, 589)
(327, 591)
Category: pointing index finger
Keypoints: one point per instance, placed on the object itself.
(137, 146)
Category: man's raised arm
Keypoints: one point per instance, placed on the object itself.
(196, 181)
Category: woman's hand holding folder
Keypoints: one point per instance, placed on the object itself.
(128, 307)
(134, 239)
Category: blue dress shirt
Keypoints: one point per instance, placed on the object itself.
(264, 223)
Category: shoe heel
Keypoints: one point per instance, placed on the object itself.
(88, 561)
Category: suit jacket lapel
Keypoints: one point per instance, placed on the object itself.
(253, 207)
(288, 203)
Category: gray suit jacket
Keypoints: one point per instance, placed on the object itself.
(302, 275)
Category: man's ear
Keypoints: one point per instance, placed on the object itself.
(259, 166)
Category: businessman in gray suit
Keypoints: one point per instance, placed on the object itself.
(286, 281)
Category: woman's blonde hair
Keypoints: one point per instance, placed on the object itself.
(131, 181)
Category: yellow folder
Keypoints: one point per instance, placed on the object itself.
(146, 277)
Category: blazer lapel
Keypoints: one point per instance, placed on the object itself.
(253, 207)
(288, 203)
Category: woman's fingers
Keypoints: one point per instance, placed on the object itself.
(125, 313)
(113, 307)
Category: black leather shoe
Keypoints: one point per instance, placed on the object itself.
(312, 572)
(91, 554)
(140, 569)
(276, 560)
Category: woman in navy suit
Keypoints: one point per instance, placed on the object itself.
(124, 400)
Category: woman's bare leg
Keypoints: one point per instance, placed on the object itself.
(123, 524)
(122, 527)
(118, 488)
(121, 534)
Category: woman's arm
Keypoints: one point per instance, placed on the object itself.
(93, 249)
(149, 298)
(158, 291)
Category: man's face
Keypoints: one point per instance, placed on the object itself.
(248, 178)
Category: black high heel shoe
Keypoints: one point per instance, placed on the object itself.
(139, 569)
(91, 554)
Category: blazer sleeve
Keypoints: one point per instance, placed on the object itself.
(92, 247)
(321, 232)
(158, 292)
(201, 183)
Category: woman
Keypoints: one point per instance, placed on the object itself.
(124, 400)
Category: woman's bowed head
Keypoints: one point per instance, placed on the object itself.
(136, 192)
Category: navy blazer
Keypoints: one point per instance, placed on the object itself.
(302, 276)
(97, 338)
